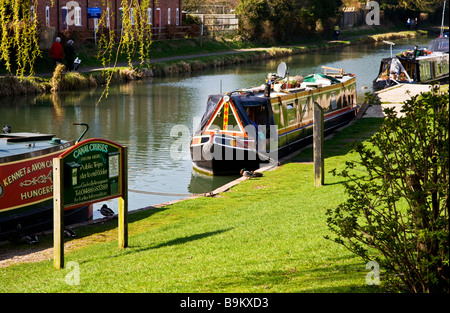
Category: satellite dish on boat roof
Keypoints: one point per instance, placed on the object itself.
(281, 70)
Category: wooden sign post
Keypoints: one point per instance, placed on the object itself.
(318, 129)
(58, 214)
(91, 171)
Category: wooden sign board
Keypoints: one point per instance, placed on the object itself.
(91, 171)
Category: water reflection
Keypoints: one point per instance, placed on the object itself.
(141, 115)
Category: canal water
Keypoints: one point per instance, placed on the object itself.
(155, 117)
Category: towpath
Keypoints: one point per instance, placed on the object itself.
(87, 69)
(394, 97)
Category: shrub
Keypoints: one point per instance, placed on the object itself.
(14, 86)
(397, 209)
(61, 80)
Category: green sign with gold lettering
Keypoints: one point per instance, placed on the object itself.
(92, 172)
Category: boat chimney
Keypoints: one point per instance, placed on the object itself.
(267, 89)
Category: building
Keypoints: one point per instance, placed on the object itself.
(82, 14)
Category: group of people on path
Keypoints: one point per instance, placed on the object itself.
(58, 53)
(412, 24)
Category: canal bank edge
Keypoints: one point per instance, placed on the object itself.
(176, 65)
(28, 254)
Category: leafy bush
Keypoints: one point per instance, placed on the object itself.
(397, 209)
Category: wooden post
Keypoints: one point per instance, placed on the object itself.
(58, 214)
(318, 127)
(123, 203)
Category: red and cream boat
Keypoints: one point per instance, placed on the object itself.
(26, 184)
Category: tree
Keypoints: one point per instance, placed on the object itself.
(18, 41)
(425, 6)
(397, 210)
(134, 38)
(208, 6)
(283, 19)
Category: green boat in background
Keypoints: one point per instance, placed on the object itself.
(417, 66)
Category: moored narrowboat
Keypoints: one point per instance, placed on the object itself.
(416, 66)
(26, 184)
(252, 127)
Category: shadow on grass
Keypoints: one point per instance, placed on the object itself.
(344, 140)
(182, 240)
(336, 278)
(133, 249)
(102, 229)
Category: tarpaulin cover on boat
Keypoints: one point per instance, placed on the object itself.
(262, 111)
(211, 104)
(265, 116)
(314, 78)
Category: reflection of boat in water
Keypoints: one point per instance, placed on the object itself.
(416, 66)
(253, 126)
(201, 183)
(26, 184)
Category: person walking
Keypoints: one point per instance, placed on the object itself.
(408, 24)
(56, 52)
(69, 53)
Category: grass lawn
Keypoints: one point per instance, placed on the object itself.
(263, 235)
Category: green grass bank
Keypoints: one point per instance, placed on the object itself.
(264, 235)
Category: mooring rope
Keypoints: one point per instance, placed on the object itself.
(161, 193)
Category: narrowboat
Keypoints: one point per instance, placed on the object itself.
(254, 127)
(417, 66)
(26, 184)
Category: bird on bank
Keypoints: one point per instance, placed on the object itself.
(105, 211)
(69, 233)
(250, 174)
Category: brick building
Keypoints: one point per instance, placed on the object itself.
(79, 14)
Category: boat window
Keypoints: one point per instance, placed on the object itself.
(276, 113)
(333, 101)
(305, 108)
(291, 113)
(424, 71)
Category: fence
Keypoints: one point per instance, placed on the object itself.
(213, 25)
(218, 24)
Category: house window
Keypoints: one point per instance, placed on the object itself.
(47, 16)
(77, 16)
(132, 16)
(149, 16)
(168, 16)
(64, 18)
(178, 16)
(158, 18)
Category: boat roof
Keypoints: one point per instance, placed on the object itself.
(18, 143)
(256, 96)
(440, 44)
